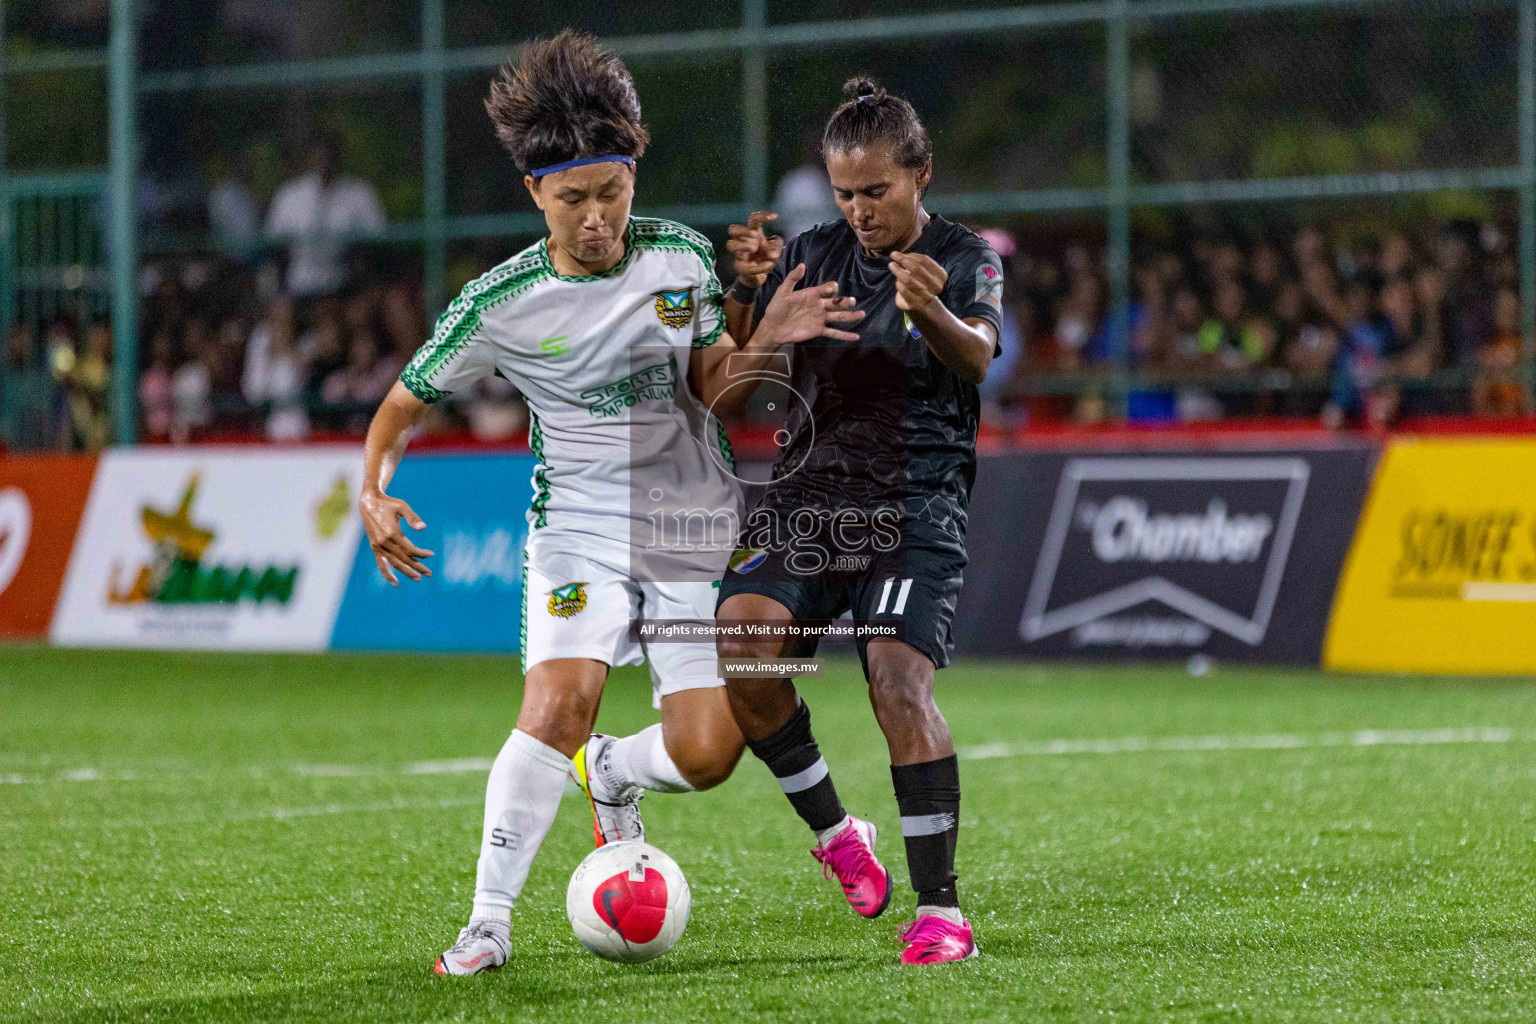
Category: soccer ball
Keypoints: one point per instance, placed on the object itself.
(628, 902)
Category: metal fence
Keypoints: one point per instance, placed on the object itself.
(1115, 27)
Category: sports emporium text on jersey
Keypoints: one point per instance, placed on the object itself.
(651, 384)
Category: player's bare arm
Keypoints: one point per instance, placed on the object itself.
(965, 346)
(793, 315)
(388, 435)
(754, 253)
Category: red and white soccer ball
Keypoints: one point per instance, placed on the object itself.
(628, 902)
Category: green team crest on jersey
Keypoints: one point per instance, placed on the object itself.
(568, 600)
(675, 308)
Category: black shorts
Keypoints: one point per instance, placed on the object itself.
(913, 581)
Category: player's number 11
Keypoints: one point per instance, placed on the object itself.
(901, 597)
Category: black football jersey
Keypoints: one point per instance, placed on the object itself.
(884, 423)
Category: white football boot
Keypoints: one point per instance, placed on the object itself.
(481, 947)
(615, 808)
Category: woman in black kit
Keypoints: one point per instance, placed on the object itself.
(866, 508)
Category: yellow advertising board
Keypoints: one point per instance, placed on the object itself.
(1442, 573)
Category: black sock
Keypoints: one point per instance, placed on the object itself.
(795, 760)
(928, 796)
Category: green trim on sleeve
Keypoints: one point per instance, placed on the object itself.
(417, 386)
(712, 337)
(459, 322)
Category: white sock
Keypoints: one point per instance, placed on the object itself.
(642, 760)
(826, 835)
(521, 798)
(950, 914)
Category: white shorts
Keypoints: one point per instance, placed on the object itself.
(586, 613)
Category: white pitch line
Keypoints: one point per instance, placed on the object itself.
(333, 771)
(286, 813)
(1238, 741)
(453, 766)
(264, 814)
(456, 766)
(1022, 748)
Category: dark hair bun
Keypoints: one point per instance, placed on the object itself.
(857, 88)
(871, 116)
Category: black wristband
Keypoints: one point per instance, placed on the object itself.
(742, 294)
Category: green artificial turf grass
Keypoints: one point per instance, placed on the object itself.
(221, 837)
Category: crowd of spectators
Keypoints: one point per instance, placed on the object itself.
(302, 344)
(284, 368)
(283, 344)
(1301, 326)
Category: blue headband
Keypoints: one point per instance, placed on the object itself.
(612, 158)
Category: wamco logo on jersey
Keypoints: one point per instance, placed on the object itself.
(1204, 537)
(177, 573)
(675, 309)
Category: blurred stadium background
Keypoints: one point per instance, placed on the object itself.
(1302, 227)
(1192, 192)
(1266, 397)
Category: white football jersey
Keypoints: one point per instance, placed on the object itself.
(629, 460)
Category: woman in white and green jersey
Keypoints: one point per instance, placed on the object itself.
(612, 330)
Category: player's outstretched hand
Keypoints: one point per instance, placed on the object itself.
(918, 279)
(391, 549)
(753, 251)
(799, 314)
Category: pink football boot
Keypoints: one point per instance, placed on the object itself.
(932, 939)
(851, 857)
